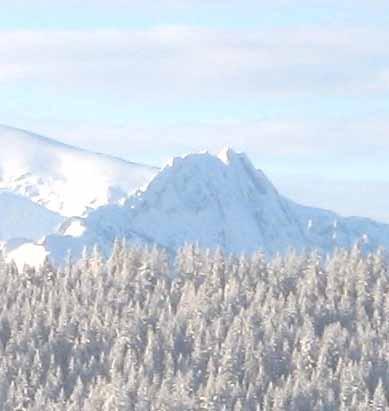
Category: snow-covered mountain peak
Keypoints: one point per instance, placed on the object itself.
(228, 173)
(227, 159)
(228, 156)
(213, 200)
(197, 198)
(203, 186)
(65, 179)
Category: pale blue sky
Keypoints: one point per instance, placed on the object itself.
(301, 86)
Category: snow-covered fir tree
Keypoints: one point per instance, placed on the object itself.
(205, 331)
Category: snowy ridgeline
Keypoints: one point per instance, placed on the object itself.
(56, 199)
(66, 180)
(208, 332)
(214, 201)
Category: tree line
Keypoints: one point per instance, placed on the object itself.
(204, 331)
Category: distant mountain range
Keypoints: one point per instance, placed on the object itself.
(201, 198)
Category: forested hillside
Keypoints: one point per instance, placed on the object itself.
(205, 332)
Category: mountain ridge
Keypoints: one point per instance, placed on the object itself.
(203, 199)
(53, 142)
(63, 178)
(213, 200)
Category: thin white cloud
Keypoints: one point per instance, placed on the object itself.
(302, 143)
(177, 62)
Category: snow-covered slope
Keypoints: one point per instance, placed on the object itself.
(25, 253)
(21, 218)
(65, 179)
(214, 201)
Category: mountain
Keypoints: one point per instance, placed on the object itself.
(213, 201)
(64, 179)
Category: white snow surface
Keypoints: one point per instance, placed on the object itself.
(21, 218)
(74, 228)
(65, 179)
(216, 201)
(33, 255)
